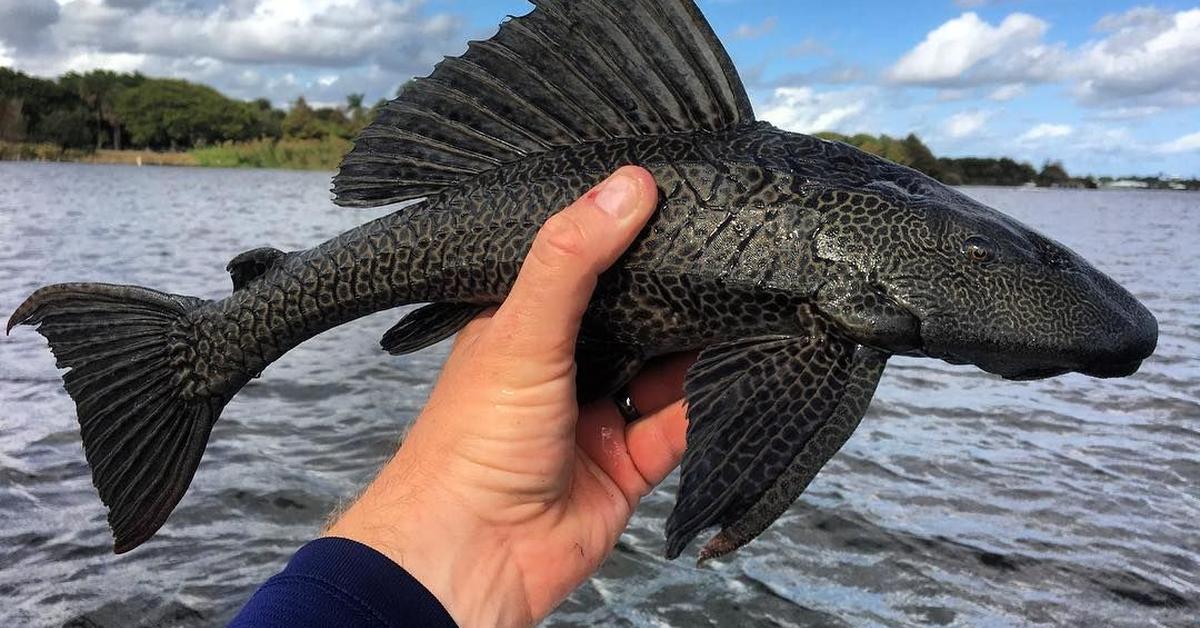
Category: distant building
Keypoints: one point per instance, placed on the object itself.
(1127, 184)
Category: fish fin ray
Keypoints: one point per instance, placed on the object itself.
(564, 74)
(424, 327)
(826, 441)
(143, 434)
(756, 408)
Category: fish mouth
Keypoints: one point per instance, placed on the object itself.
(1107, 370)
(1035, 374)
(1121, 357)
(1110, 371)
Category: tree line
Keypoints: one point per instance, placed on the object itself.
(103, 109)
(912, 152)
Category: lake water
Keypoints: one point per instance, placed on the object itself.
(962, 499)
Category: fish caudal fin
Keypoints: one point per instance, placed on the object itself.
(142, 435)
(567, 73)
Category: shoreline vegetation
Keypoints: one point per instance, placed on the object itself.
(105, 117)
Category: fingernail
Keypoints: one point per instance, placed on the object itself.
(617, 196)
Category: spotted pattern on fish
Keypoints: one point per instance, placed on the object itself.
(796, 266)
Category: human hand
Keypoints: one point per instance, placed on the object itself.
(506, 495)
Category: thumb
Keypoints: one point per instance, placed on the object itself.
(543, 311)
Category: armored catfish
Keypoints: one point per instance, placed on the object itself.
(797, 266)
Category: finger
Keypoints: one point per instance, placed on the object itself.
(657, 442)
(540, 319)
(640, 455)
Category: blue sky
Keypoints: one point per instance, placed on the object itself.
(1107, 86)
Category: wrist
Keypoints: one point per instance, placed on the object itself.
(467, 566)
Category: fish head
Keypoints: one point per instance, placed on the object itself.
(934, 273)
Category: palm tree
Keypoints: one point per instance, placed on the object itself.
(354, 107)
(99, 91)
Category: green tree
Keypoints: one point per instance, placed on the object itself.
(12, 120)
(25, 100)
(951, 172)
(167, 113)
(268, 119)
(355, 109)
(301, 121)
(334, 123)
(100, 90)
(1053, 175)
(67, 128)
(920, 157)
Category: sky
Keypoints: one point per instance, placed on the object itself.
(1108, 87)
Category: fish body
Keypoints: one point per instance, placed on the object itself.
(796, 266)
(727, 255)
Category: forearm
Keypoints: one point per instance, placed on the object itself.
(335, 581)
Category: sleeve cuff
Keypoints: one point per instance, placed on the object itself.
(334, 581)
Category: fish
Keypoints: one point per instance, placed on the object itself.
(795, 266)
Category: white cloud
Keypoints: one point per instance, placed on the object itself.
(82, 61)
(1143, 58)
(757, 31)
(5, 60)
(1185, 144)
(804, 110)
(1148, 56)
(323, 33)
(367, 45)
(1095, 149)
(967, 51)
(952, 94)
(1046, 131)
(966, 124)
(809, 46)
(1008, 92)
(1129, 113)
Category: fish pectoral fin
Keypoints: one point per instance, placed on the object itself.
(566, 74)
(603, 368)
(765, 415)
(251, 265)
(422, 328)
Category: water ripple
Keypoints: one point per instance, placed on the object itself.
(962, 499)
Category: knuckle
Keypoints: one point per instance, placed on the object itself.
(562, 237)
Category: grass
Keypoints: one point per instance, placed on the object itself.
(16, 151)
(291, 154)
(322, 154)
(143, 157)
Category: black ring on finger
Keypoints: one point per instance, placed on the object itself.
(624, 403)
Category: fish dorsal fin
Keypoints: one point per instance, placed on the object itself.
(567, 73)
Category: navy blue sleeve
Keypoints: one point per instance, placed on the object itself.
(338, 582)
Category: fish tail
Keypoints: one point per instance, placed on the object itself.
(144, 428)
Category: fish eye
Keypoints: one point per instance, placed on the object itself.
(979, 249)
